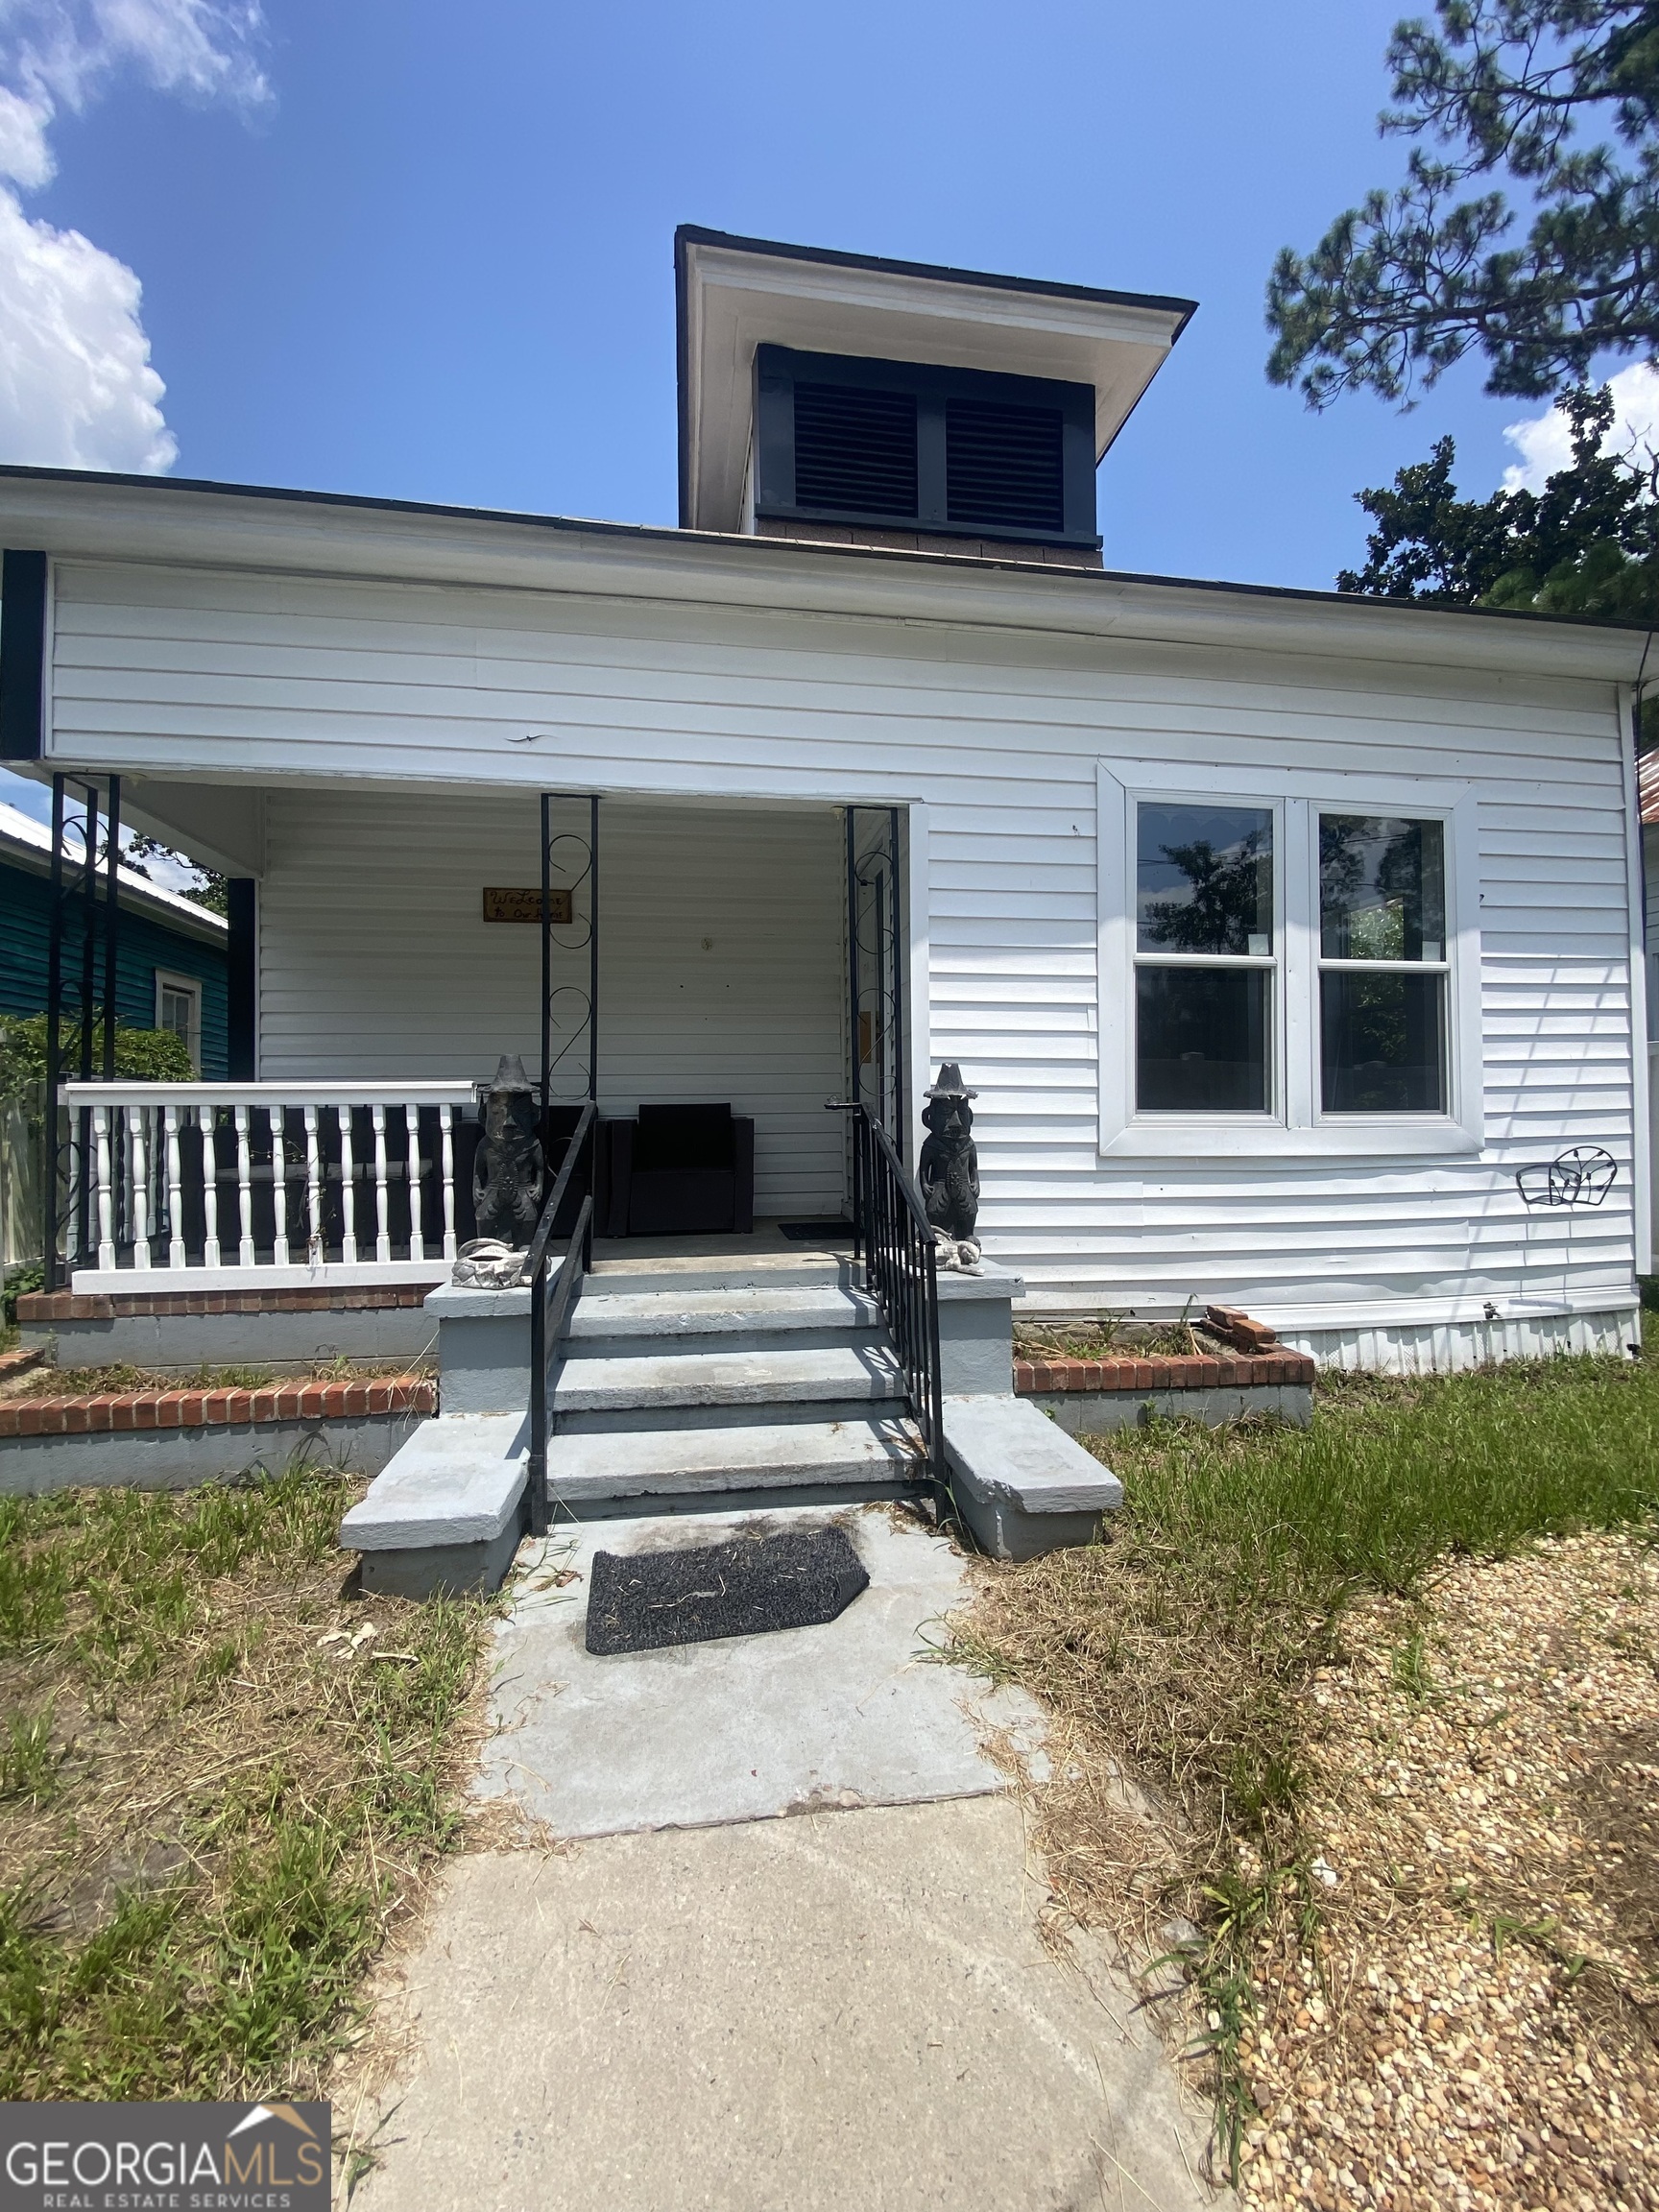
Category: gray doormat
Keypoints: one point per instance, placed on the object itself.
(826, 1232)
(749, 1587)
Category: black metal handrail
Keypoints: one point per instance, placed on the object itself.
(552, 1294)
(893, 1236)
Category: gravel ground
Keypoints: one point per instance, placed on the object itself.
(1478, 2023)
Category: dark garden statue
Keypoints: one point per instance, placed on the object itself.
(508, 1180)
(948, 1170)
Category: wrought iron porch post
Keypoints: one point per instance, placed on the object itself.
(112, 928)
(53, 1042)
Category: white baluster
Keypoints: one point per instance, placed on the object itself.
(447, 1130)
(244, 1193)
(347, 1190)
(382, 1230)
(174, 1193)
(105, 1196)
(276, 1118)
(313, 1195)
(209, 1188)
(140, 1172)
(412, 1122)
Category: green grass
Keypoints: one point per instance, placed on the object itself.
(1394, 1475)
(208, 1814)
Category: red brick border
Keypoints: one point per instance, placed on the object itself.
(20, 1361)
(121, 1411)
(1200, 1372)
(38, 1306)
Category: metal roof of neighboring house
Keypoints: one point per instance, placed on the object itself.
(1648, 784)
(28, 843)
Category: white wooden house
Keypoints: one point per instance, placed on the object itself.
(1276, 930)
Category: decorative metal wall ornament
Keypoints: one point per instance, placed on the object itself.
(948, 1171)
(509, 1174)
(1580, 1177)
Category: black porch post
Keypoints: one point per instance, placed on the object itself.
(241, 970)
(53, 1042)
(593, 946)
(546, 962)
(112, 929)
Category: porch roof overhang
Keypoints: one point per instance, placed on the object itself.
(175, 521)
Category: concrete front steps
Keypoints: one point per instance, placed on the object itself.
(715, 1383)
(686, 1382)
(688, 1385)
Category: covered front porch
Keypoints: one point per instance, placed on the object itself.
(744, 956)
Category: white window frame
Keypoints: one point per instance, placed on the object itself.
(1297, 1127)
(191, 986)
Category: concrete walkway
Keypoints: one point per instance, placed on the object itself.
(702, 2009)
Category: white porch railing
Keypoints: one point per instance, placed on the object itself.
(224, 1186)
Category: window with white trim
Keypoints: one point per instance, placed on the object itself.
(1203, 958)
(1382, 964)
(1288, 963)
(179, 1008)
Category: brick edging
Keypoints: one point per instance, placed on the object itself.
(1161, 1372)
(39, 1306)
(145, 1409)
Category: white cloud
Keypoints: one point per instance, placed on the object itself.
(64, 50)
(24, 154)
(1545, 443)
(77, 388)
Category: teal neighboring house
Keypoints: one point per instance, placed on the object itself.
(171, 966)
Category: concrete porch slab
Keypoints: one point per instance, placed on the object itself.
(853, 1712)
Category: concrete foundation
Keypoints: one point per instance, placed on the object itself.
(440, 1570)
(976, 1331)
(483, 1348)
(1020, 1481)
(280, 1342)
(180, 1459)
(1098, 1412)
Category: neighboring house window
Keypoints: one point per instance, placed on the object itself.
(179, 1008)
(1288, 963)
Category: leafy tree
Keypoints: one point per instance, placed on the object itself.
(141, 1055)
(209, 892)
(1587, 545)
(1225, 901)
(1402, 287)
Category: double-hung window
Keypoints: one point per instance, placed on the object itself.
(1203, 958)
(1382, 965)
(1288, 963)
(179, 1008)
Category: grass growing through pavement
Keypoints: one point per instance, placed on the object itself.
(221, 1780)
(1175, 1652)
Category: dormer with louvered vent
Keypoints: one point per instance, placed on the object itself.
(832, 397)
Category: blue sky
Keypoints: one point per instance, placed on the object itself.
(392, 247)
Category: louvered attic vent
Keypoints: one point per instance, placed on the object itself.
(1002, 466)
(855, 450)
(947, 451)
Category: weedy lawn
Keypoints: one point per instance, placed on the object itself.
(1178, 1653)
(223, 1777)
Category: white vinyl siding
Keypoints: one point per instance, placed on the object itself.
(720, 958)
(998, 731)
